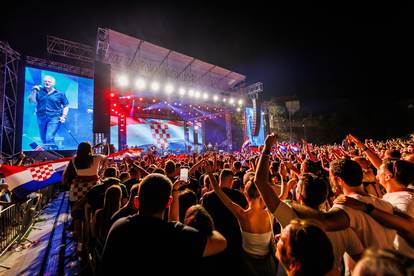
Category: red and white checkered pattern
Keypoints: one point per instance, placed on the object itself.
(79, 189)
(160, 134)
(42, 173)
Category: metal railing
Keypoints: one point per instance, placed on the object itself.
(16, 219)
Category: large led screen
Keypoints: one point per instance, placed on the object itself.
(254, 140)
(164, 134)
(58, 110)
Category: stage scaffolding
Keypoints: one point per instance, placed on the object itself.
(9, 67)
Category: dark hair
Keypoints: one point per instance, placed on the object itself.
(252, 190)
(186, 199)
(402, 171)
(169, 167)
(226, 173)
(237, 165)
(304, 239)
(84, 156)
(313, 190)
(348, 170)
(199, 218)
(159, 170)
(110, 172)
(237, 184)
(154, 193)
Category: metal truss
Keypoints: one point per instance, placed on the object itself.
(9, 64)
(70, 49)
(87, 72)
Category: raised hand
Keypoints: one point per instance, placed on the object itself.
(270, 141)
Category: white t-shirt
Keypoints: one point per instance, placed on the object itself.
(342, 241)
(93, 169)
(368, 230)
(404, 202)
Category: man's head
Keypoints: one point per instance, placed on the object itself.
(49, 81)
(236, 166)
(170, 168)
(311, 190)
(345, 172)
(226, 178)
(400, 172)
(304, 249)
(154, 194)
(392, 154)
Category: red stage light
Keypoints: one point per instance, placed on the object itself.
(127, 106)
(112, 95)
(141, 99)
(153, 100)
(113, 110)
(128, 97)
(114, 104)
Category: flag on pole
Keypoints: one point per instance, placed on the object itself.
(23, 180)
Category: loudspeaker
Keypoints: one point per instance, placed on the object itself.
(101, 99)
(256, 117)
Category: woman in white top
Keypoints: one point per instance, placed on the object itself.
(256, 228)
(80, 175)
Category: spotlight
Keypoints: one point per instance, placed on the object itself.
(169, 88)
(196, 127)
(238, 109)
(191, 93)
(114, 104)
(155, 86)
(224, 100)
(182, 91)
(231, 101)
(197, 94)
(140, 84)
(112, 95)
(215, 98)
(240, 102)
(123, 81)
(205, 96)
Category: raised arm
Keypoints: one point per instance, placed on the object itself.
(261, 178)
(195, 167)
(372, 156)
(174, 210)
(234, 208)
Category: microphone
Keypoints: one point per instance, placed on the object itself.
(37, 87)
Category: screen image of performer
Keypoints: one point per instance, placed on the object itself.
(51, 110)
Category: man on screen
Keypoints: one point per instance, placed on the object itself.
(51, 109)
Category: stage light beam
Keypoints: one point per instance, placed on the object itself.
(140, 84)
(169, 88)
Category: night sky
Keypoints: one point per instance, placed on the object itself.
(323, 54)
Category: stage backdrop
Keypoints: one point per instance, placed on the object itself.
(78, 125)
(254, 140)
(143, 133)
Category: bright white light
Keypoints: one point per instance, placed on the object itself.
(205, 96)
(191, 93)
(240, 102)
(182, 91)
(169, 88)
(215, 98)
(224, 99)
(238, 109)
(196, 127)
(231, 101)
(155, 86)
(197, 94)
(123, 80)
(140, 84)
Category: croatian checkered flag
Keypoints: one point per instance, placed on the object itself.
(23, 180)
(160, 134)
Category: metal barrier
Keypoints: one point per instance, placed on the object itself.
(16, 220)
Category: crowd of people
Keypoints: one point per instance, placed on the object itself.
(320, 210)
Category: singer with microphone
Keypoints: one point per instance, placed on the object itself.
(52, 109)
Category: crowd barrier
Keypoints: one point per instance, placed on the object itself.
(17, 219)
